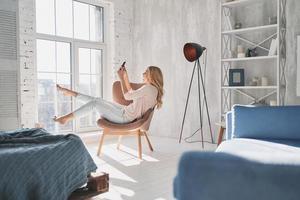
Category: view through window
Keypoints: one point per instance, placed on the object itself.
(70, 47)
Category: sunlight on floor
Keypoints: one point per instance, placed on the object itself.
(113, 172)
(116, 193)
(133, 179)
(125, 156)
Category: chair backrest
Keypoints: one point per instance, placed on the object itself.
(147, 117)
(118, 96)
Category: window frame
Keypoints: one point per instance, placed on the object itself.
(75, 43)
(75, 79)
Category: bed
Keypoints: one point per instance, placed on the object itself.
(35, 164)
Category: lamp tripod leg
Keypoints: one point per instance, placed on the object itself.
(205, 101)
(186, 103)
(200, 104)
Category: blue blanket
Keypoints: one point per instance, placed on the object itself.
(37, 165)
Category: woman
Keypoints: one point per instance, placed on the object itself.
(144, 98)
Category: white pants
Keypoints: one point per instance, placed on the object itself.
(106, 109)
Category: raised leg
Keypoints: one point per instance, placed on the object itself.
(139, 145)
(101, 143)
(64, 119)
(148, 141)
(66, 91)
(119, 142)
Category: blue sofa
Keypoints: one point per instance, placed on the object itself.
(260, 159)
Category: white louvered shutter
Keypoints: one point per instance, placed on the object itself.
(9, 116)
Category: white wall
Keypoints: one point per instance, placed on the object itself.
(161, 28)
(27, 65)
(293, 29)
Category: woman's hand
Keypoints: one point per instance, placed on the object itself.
(121, 73)
(125, 75)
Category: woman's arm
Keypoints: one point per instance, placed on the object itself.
(124, 80)
(128, 92)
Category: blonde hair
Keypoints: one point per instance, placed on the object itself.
(156, 79)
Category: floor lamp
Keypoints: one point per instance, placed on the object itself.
(192, 53)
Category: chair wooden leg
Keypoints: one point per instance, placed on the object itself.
(148, 141)
(101, 143)
(119, 142)
(139, 145)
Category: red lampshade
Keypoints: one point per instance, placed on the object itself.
(192, 51)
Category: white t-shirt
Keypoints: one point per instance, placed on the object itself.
(143, 98)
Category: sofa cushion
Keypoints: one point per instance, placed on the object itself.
(263, 151)
(268, 122)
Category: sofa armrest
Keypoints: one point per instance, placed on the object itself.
(228, 125)
(219, 176)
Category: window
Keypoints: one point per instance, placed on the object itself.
(56, 17)
(70, 47)
(89, 79)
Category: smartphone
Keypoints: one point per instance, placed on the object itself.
(123, 65)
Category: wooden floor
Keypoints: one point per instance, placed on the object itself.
(131, 178)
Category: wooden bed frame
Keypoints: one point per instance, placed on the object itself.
(97, 184)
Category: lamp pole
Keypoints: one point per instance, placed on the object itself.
(192, 52)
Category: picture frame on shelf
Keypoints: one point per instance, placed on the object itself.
(236, 77)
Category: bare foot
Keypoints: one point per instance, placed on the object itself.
(62, 120)
(65, 91)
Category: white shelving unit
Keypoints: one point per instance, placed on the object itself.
(249, 58)
(230, 35)
(249, 87)
(239, 3)
(251, 29)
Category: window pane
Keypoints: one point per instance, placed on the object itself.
(96, 61)
(46, 114)
(46, 87)
(84, 57)
(64, 108)
(45, 53)
(81, 20)
(63, 57)
(84, 84)
(96, 23)
(64, 18)
(63, 80)
(95, 85)
(84, 121)
(45, 16)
